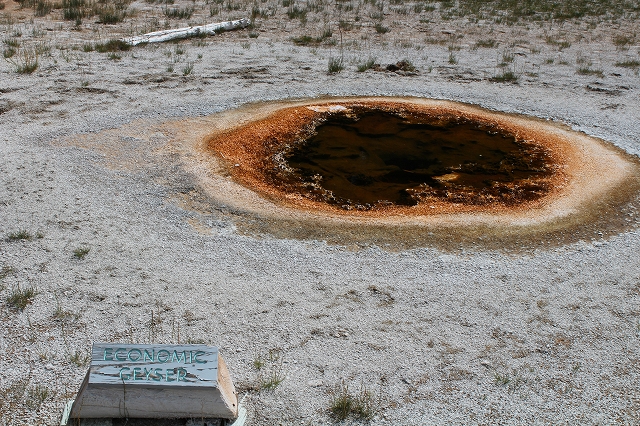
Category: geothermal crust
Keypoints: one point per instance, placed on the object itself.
(585, 169)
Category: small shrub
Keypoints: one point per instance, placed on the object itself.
(404, 65)
(341, 402)
(366, 65)
(2, 5)
(88, 47)
(632, 63)
(73, 10)
(112, 46)
(19, 235)
(489, 43)
(501, 379)
(294, 12)
(78, 358)
(9, 52)
(20, 298)
(111, 15)
(114, 56)
(335, 65)
(36, 396)
(81, 252)
(43, 7)
(270, 370)
(12, 42)
(505, 77)
(380, 29)
(187, 69)
(590, 71)
(452, 58)
(179, 13)
(622, 40)
(362, 405)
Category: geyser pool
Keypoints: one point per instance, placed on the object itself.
(366, 158)
(405, 172)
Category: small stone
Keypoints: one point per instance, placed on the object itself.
(48, 367)
(315, 383)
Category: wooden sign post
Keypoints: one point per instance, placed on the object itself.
(155, 381)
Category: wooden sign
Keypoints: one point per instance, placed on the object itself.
(155, 381)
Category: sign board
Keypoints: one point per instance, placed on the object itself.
(155, 381)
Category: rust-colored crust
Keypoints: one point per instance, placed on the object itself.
(582, 165)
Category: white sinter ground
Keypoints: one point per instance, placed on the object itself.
(463, 336)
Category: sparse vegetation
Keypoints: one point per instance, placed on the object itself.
(368, 64)
(270, 369)
(187, 69)
(335, 65)
(381, 29)
(587, 70)
(81, 252)
(629, 63)
(35, 396)
(19, 235)
(20, 298)
(488, 43)
(179, 13)
(78, 358)
(112, 46)
(6, 271)
(344, 404)
(505, 77)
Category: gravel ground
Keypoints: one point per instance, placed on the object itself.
(461, 335)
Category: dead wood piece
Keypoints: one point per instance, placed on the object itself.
(178, 33)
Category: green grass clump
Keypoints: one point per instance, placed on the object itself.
(81, 252)
(489, 43)
(335, 65)
(112, 46)
(343, 403)
(590, 71)
(179, 13)
(111, 15)
(19, 235)
(9, 52)
(366, 65)
(381, 29)
(505, 77)
(631, 63)
(20, 298)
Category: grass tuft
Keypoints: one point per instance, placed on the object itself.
(19, 235)
(20, 298)
(631, 63)
(366, 65)
(112, 46)
(362, 405)
(505, 77)
(380, 29)
(586, 70)
(81, 252)
(335, 65)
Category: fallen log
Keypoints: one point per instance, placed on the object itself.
(178, 33)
